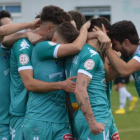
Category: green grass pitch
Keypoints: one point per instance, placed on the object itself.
(128, 124)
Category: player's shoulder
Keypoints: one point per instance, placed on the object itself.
(22, 44)
(137, 52)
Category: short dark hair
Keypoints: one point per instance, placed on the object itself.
(54, 14)
(4, 14)
(67, 31)
(78, 18)
(124, 30)
(37, 16)
(98, 22)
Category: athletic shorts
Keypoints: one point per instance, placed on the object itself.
(113, 135)
(4, 132)
(16, 125)
(42, 130)
(84, 133)
(121, 80)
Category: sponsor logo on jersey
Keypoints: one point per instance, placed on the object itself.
(6, 71)
(92, 52)
(4, 56)
(23, 59)
(89, 64)
(75, 60)
(115, 136)
(67, 137)
(51, 43)
(24, 45)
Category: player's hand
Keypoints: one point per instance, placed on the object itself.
(69, 85)
(34, 38)
(97, 128)
(87, 24)
(35, 23)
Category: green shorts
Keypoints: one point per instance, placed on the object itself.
(114, 135)
(42, 130)
(4, 132)
(84, 132)
(16, 125)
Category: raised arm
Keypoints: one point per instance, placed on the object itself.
(15, 27)
(82, 97)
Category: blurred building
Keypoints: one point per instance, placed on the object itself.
(114, 10)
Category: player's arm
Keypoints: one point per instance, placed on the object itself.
(15, 27)
(83, 100)
(35, 85)
(123, 68)
(9, 40)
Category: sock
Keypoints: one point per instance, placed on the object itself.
(128, 94)
(122, 97)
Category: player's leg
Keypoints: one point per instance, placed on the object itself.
(4, 132)
(36, 130)
(16, 125)
(62, 131)
(84, 132)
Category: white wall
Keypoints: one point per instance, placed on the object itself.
(120, 9)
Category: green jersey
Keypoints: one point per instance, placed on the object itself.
(20, 60)
(4, 85)
(47, 106)
(136, 75)
(89, 63)
(108, 91)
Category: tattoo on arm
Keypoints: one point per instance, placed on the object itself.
(83, 83)
(80, 104)
(91, 116)
(85, 113)
(88, 80)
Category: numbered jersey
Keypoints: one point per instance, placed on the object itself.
(47, 106)
(136, 75)
(89, 63)
(20, 60)
(4, 85)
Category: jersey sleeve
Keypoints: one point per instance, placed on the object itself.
(88, 64)
(22, 50)
(136, 57)
(46, 49)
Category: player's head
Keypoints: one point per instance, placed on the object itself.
(5, 17)
(123, 35)
(51, 16)
(78, 18)
(65, 33)
(98, 22)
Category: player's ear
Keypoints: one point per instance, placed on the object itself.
(126, 42)
(49, 28)
(54, 39)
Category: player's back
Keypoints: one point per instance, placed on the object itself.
(96, 87)
(47, 106)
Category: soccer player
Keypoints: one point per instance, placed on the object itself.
(7, 28)
(120, 86)
(49, 109)
(124, 39)
(22, 71)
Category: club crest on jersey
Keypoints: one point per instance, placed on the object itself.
(92, 52)
(23, 59)
(56, 61)
(89, 64)
(4, 56)
(24, 45)
(67, 137)
(51, 43)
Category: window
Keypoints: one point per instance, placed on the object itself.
(90, 12)
(13, 8)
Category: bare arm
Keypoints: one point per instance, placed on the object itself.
(35, 85)
(123, 68)
(84, 103)
(15, 27)
(9, 40)
(77, 45)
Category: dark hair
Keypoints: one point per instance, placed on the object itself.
(124, 30)
(98, 22)
(78, 18)
(54, 14)
(4, 14)
(67, 31)
(37, 16)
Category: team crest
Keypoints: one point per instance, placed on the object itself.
(89, 64)
(51, 43)
(4, 56)
(23, 59)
